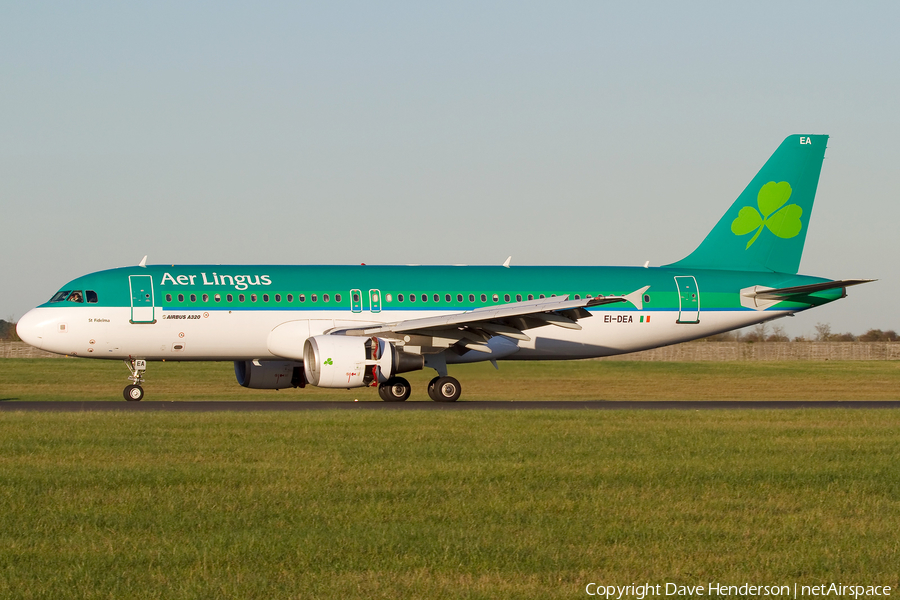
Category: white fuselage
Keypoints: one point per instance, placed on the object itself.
(106, 332)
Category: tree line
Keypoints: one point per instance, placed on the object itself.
(8, 331)
(765, 332)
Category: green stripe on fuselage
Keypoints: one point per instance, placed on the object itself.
(719, 290)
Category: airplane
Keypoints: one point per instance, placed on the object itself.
(351, 326)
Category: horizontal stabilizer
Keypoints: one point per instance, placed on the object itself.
(802, 290)
(760, 297)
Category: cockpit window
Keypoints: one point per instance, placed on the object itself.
(60, 296)
(91, 296)
(76, 296)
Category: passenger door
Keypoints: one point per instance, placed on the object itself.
(142, 300)
(688, 300)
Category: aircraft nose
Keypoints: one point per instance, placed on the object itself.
(31, 327)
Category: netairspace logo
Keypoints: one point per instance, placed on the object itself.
(746, 590)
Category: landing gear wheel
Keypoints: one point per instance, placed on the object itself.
(395, 389)
(444, 389)
(133, 393)
(137, 367)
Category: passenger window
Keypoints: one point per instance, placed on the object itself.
(437, 298)
(218, 297)
(91, 296)
(471, 297)
(76, 297)
(252, 297)
(542, 296)
(193, 297)
(646, 297)
(399, 297)
(518, 297)
(314, 298)
(206, 297)
(240, 297)
(496, 298)
(230, 298)
(290, 298)
(265, 297)
(483, 298)
(325, 298)
(531, 296)
(277, 297)
(424, 297)
(412, 297)
(459, 298)
(578, 296)
(355, 297)
(60, 296)
(302, 297)
(181, 297)
(168, 297)
(506, 297)
(337, 297)
(389, 298)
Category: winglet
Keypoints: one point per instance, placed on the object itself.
(143, 262)
(637, 297)
(506, 263)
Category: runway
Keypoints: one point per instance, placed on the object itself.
(150, 406)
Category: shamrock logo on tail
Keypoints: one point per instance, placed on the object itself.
(783, 221)
(329, 362)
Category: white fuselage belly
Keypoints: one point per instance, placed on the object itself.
(219, 335)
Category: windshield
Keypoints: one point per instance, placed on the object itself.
(60, 296)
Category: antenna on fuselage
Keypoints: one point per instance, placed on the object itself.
(143, 262)
(506, 263)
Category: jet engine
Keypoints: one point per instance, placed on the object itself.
(337, 361)
(269, 375)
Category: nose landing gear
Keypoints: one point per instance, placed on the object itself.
(134, 392)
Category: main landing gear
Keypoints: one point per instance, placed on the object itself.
(440, 389)
(395, 389)
(134, 392)
(444, 389)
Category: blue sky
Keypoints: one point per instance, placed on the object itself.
(559, 133)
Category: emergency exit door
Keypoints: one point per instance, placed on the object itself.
(355, 301)
(375, 301)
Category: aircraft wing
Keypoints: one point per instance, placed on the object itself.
(472, 329)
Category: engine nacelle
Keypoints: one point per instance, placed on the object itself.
(338, 361)
(269, 375)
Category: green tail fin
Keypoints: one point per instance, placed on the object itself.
(764, 230)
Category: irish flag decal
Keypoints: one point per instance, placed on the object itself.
(645, 320)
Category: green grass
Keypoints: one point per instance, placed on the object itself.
(531, 504)
(80, 379)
